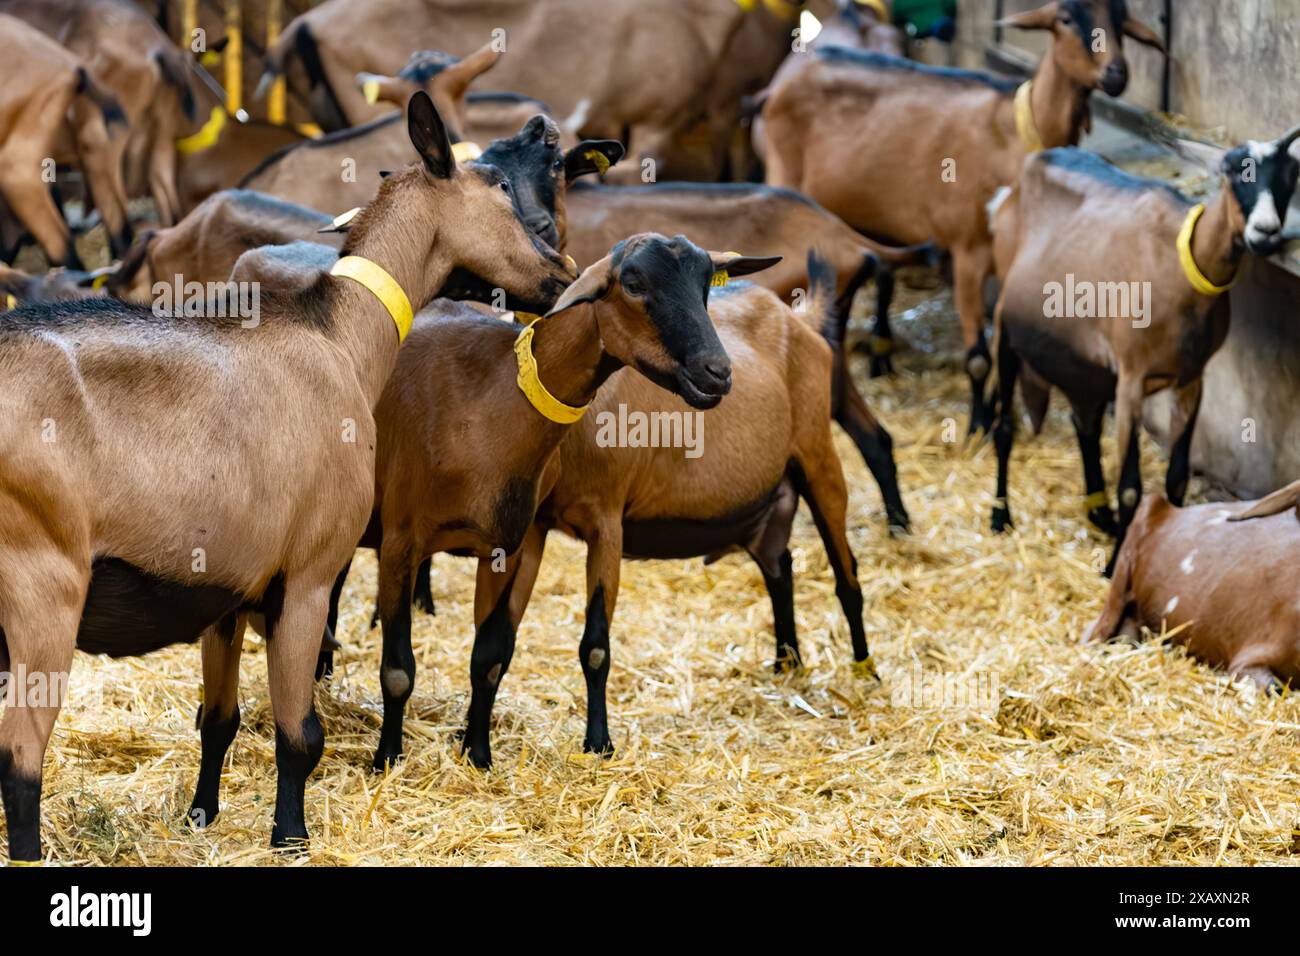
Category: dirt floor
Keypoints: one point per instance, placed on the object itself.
(995, 736)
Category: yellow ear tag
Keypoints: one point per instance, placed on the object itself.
(10, 302)
(209, 59)
(100, 281)
(370, 90)
(721, 277)
(878, 6)
(310, 130)
(465, 151)
(598, 158)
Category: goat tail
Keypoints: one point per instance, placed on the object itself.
(174, 69)
(1278, 501)
(821, 306)
(121, 278)
(922, 254)
(109, 108)
(326, 107)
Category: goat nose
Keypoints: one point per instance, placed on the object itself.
(1115, 79)
(721, 371)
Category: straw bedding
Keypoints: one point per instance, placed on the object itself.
(1042, 751)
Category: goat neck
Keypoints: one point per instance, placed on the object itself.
(571, 361)
(1215, 244)
(1060, 105)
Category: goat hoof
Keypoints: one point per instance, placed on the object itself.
(898, 522)
(603, 746)
(290, 841)
(325, 665)
(880, 365)
(1104, 520)
(386, 757)
(1001, 520)
(200, 818)
(423, 602)
(865, 670)
(787, 661)
(479, 756)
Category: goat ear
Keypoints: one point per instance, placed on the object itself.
(1044, 18)
(457, 77)
(588, 287)
(734, 264)
(429, 135)
(591, 156)
(1139, 31)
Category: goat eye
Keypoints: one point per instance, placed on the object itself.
(505, 185)
(559, 164)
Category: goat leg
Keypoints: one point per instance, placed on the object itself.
(1187, 405)
(397, 670)
(604, 553)
(1087, 428)
(1128, 409)
(1004, 434)
(329, 640)
(500, 599)
(218, 714)
(881, 340)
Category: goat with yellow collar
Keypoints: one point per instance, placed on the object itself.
(1147, 269)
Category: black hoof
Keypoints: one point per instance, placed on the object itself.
(325, 665)
(386, 757)
(289, 841)
(424, 602)
(603, 746)
(1104, 520)
(479, 756)
(786, 662)
(880, 366)
(200, 818)
(1001, 520)
(898, 520)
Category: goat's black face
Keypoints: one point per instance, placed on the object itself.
(1263, 179)
(669, 279)
(533, 162)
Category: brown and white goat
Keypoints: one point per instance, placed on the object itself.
(51, 108)
(768, 445)
(1214, 576)
(1112, 288)
(147, 498)
(915, 153)
(488, 489)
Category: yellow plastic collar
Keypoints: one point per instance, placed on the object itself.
(206, 136)
(10, 303)
(878, 5)
(466, 152)
(1025, 124)
(530, 383)
(1194, 275)
(382, 285)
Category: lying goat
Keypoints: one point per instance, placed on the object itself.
(941, 141)
(1137, 308)
(765, 447)
(147, 496)
(1214, 578)
(53, 109)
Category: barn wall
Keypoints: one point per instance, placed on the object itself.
(1215, 45)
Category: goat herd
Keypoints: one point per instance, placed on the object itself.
(174, 474)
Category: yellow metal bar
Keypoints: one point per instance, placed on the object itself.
(275, 100)
(233, 56)
(189, 20)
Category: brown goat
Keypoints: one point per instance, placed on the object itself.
(771, 444)
(489, 489)
(1128, 312)
(1216, 582)
(941, 141)
(217, 159)
(52, 109)
(204, 246)
(144, 483)
(341, 170)
(128, 54)
(771, 222)
(57, 285)
(589, 63)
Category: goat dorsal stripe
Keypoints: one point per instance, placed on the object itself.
(383, 286)
(205, 137)
(530, 383)
(1190, 269)
(1025, 124)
